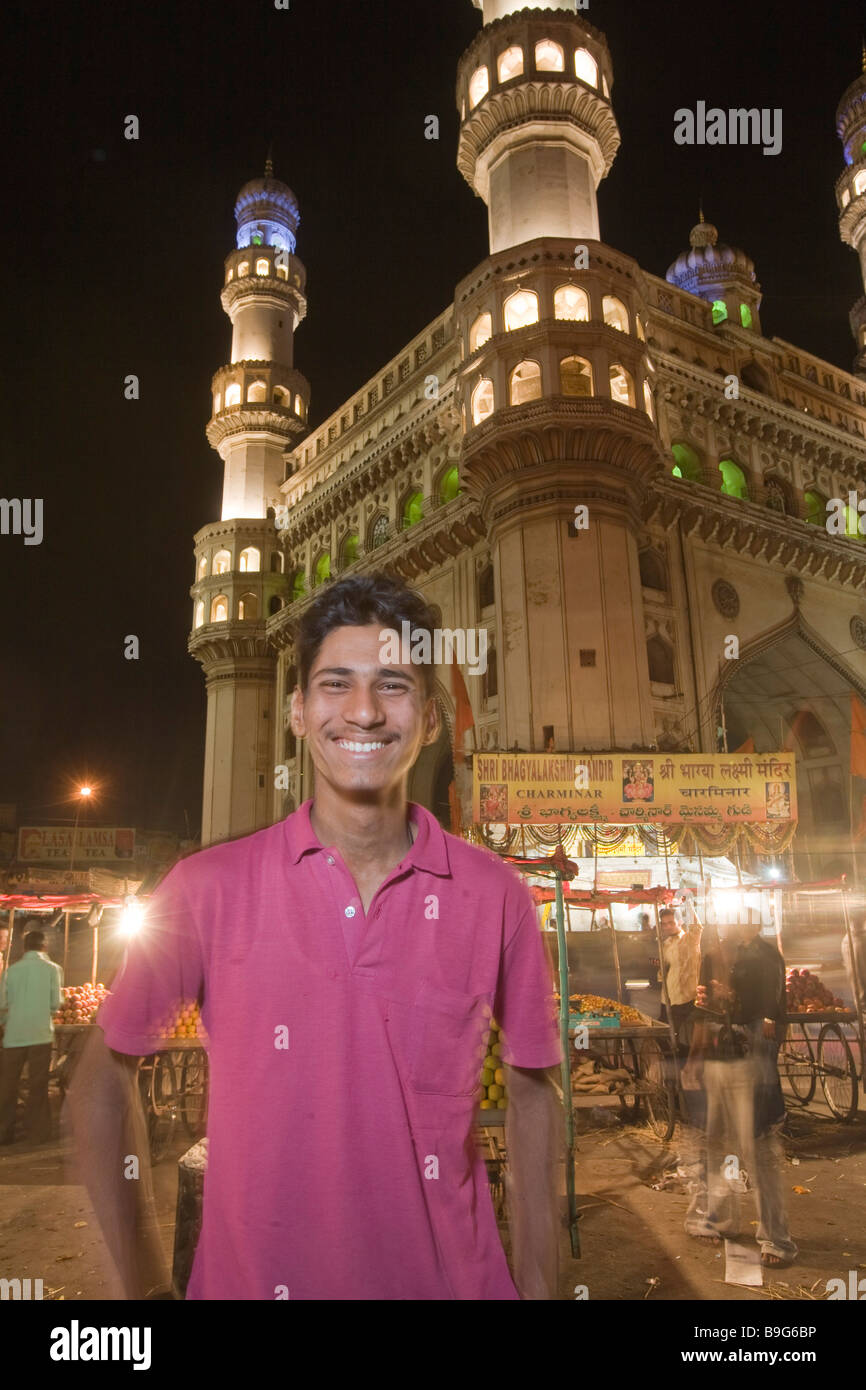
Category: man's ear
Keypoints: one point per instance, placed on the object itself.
(432, 722)
(299, 728)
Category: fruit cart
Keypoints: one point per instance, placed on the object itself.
(824, 1041)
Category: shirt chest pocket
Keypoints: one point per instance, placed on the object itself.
(446, 1028)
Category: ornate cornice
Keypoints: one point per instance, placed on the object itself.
(253, 417)
(557, 101)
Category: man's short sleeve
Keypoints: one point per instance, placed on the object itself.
(525, 1008)
(162, 969)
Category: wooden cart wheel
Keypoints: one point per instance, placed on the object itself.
(838, 1072)
(657, 1069)
(159, 1097)
(194, 1092)
(797, 1063)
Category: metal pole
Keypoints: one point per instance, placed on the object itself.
(95, 953)
(65, 941)
(74, 838)
(566, 1066)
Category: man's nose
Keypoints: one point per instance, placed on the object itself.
(362, 707)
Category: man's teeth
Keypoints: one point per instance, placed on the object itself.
(359, 747)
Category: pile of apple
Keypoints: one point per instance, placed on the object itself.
(80, 1003)
(807, 995)
(494, 1095)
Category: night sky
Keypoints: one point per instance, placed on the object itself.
(114, 262)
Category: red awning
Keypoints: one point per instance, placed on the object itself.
(52, 902)
(602, 897)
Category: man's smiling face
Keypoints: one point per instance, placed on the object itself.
(365, 719)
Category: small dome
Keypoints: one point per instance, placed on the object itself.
(709, 261)
(268, 207)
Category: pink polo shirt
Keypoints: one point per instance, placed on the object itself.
(344, 1057)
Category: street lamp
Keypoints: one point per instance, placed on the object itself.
(83, 794)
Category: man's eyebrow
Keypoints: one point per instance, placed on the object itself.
(390, 671)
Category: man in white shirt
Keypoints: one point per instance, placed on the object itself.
(681, 950)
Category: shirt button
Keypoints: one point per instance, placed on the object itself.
(350, 911)
(330, 859)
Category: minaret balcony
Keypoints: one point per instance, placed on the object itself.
(535, 67)
(258, 396)
(264, 274)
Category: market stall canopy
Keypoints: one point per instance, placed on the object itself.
(53, 902)
(601, 897)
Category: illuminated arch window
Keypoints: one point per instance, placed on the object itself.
(379, 531)
(219, 609)
(217, 402)
(231, 273)
(575, 377)
(299, 585)
(852, 519)
(243, 269)
(449, 486)
(720, 311)
(282, 397)
(549, 56)
(479, 86)
(621, 388)
(733, 480)
(202, 568)
(520, 309)
(860, 183)
(222, 562)
(480, 332)
(248, 607)
(322, 571)
(586, 67)
(250, 559)
(257, 391)
(349, 551)
(263, 266)
(524, 383)
(661, 661)
(687, 463)
(482, 401)
(615, 313)
(299, 407)
(199, 614)
(639, 328)
(233, 394)
(745, 316)
(571, 302)
(413, 509)
(510, 63)
(257, 239)
(283, 271)
(816, 508)
(648, 400)
(604, 87)
(846, 197)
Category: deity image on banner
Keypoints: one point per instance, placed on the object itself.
(494, 801)
(637, 780)
(778, 800)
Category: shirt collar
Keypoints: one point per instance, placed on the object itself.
(429, 851)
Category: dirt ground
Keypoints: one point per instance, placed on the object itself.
(630, 1234)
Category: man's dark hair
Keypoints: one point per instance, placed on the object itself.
(666, 912)
(357, 601)
(34, 941)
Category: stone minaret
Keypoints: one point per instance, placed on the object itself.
(851, 196)
(556, 385)
(260, 406)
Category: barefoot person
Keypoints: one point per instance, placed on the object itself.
(348, 959)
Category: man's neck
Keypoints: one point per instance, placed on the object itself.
(370, 834)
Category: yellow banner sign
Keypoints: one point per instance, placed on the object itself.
(634, 788)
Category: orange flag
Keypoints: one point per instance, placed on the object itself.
(858, 737)
(463, 717)
(747, 747)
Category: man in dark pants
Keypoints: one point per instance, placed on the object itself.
(29, 996)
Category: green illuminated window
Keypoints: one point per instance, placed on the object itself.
(450, 486)
(720, 311)
(299, 585)
(413, 509)
(350, 549)
(815, 508)
(745, 316)
(323, 569)
(686, 463)
(733, 480)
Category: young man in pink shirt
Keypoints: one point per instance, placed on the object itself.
(348, 960)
